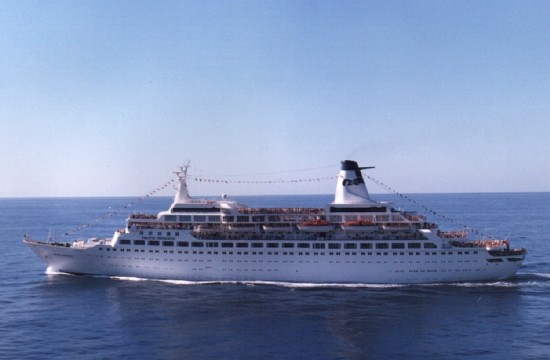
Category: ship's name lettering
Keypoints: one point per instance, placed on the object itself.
(158, 238)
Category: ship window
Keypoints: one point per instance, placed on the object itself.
(185, 218)
(183, 243)
(430, 246)
(125, 242)
(288, 245)
(350, 246)
(397, 246)
(357, 209)
(333, 246)
(382, 245)
(199, 218)
(227, 244)
(258, 218)
(242, 245)
(170, 218)
(318, 246)
(303, 245)
(214, 218)
(242, 219)
(211, 244)
(197, 244)
(257, 245)
(414, 246)
(195, 210)
(272, 245)
(154, 242)
(167, 243)
(139, 242)
(274, 218)
(228, 218)
(366, 246)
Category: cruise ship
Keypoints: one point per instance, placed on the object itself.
(353, 239)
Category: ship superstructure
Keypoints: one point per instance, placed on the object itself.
(354, 239)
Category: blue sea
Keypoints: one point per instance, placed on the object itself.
(66, 317)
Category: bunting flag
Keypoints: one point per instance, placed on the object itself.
(289, 181)
(117, 210)
(225, 181)
(206, 180)
(426, 209)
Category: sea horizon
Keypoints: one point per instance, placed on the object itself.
(266, 195)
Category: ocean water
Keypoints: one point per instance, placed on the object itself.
(65, 317)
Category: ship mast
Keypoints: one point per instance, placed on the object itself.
(182, 195)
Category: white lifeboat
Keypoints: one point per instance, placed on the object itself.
(315, 226)
(277, 227)
(242, 228)
(358, 226)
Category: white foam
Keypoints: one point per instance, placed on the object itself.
(297, 285)
(264, 283)
(487, 284)
(128, 278)
(531, 279)
(49, 271)
(321, 285)
(270, 283)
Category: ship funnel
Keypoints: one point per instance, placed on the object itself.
(350, 186)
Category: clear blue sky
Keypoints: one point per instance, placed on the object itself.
(101, 98)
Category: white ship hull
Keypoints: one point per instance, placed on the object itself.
(372, 267)
(352, 240)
